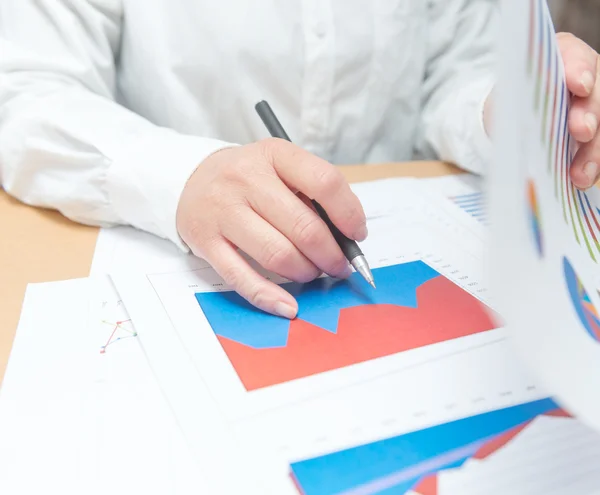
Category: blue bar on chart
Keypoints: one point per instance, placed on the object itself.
(473, 204)
(415, 463)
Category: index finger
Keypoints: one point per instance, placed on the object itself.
(581, 64)
(321, 181)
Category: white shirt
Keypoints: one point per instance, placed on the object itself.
(108, 106)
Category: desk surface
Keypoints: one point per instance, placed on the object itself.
(41, 245)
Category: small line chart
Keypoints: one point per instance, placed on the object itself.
(116, 323)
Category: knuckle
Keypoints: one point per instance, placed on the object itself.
(232, 171)
(269, 147)
(564, 35)
(274, 256)
(329, 180)
(567, 40)
(307, 275)
(308, 230)
(255, 294)
(337, 265)
(194, 232)
(232, 276)
(355, 215)
(231, 210)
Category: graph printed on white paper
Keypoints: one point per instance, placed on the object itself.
(465, 191)
(550, 99)
(116, 323)
(548, 232)
(317, 394)
(528, 448)
(80, 418)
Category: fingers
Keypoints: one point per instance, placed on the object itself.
(241, 277)
(319, 180)
(581, 64)
(264, 243)
(582, 71)
(301, 225)
(585, 170)
(584, 115)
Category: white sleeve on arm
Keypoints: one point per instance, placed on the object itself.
(460, 75)
(64, 142)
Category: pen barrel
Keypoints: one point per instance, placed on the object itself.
(348, 246)
(266, 114)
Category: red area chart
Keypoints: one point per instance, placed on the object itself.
(444, 312)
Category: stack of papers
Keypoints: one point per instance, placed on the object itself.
(154, 380)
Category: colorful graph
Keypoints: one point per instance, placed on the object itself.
(120, 330)
(583, 305)
(534, 217)
(412, 462)
(343, 323)
(551, 101)
(473, 204)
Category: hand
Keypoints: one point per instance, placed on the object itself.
(254, 198)
(582, 72)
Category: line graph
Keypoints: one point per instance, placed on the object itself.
(119, 332)
(114, 318)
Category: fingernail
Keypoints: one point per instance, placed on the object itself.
(361, 234)
(587, 81)
(591, 123)
(590, 170)
(285, 310)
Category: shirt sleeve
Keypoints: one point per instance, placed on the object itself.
(64, 141)
(459, 78)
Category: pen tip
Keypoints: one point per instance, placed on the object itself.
(372, 282)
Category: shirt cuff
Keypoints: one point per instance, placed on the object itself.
(476, 143)
(146, 178)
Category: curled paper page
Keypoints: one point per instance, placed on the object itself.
(545, 233)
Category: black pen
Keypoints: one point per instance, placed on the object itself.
(348, 246)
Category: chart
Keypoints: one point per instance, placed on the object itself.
(583, 305)
(117, 323)
(343, 323)
(534, 216)
(473, 204)
(458, 456)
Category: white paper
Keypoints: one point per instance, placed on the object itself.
(552, 456)
(346, 406)
(541, 240)
(78, 415)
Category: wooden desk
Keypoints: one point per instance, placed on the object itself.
(41, 246)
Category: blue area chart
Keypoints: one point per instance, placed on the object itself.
(399, 464)
(319, 303)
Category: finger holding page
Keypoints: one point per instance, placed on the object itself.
(581, 64)
(585, 171)
(581, 74)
